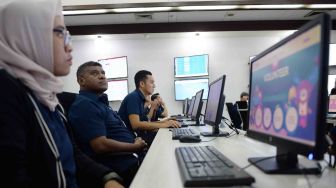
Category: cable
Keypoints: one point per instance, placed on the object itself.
(218, 137)
(262, 159)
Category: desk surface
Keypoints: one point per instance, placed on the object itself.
(159, 169)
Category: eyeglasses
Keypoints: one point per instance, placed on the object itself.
(62, 32)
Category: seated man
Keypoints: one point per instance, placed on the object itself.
(132, 109)
(160, 108)
(98, 130)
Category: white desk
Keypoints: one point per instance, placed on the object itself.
(160, 170)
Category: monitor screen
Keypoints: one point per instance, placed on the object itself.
(287, 104)
(187, 66)
(185, 106)
(114, 67)
(197, 105)
(214, 108)
(215, 92)
(332, 104)
(188, 88)
(117, 90)
(191, 106)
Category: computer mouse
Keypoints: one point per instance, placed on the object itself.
(190, 139)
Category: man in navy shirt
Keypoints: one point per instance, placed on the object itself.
(97, 128)
(132, 109)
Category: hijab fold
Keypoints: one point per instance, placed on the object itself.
(26, 45)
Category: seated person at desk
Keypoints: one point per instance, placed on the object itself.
(242, 107)
(161, 110)
(98, 129)
(35, 143)
(132, 109)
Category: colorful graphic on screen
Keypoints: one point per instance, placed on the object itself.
(332, 104)
(284, 89)
(191, 66)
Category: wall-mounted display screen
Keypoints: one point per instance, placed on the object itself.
(187, 66)
(117, 90)
(188, 88)
(114, 67)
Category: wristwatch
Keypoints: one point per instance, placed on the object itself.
(112, 176)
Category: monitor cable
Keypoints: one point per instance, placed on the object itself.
(230, 125)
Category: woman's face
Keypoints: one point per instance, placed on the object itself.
(62, 51)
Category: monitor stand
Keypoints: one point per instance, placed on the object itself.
(285, 164)
(215, 132)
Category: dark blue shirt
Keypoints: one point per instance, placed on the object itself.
(63, 143)
(133, 103)
(158, 113)
(91, 117)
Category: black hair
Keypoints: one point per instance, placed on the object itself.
(243, 94)
(140, 76)
(155, 96)
(82, 67)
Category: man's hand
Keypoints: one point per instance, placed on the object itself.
(139, 143)
(171, 124)
(113, 184)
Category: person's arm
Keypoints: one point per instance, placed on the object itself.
(165, 110)
(150, 126)
(91, 173)
(105, 145)
(152, 110)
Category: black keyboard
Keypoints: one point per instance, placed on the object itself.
(178, 132)
(206, 166)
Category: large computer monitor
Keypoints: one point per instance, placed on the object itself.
(188, 88)
(214, 107)
(185, 106)
(115, 67)
(288, 98)
(191, 106)
(197, 108)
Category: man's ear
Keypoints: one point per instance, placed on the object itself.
(142, 84)
(81, 80)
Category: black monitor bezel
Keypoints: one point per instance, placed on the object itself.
(295, 147)
(192, 102)
(188, 80)
(199, 106)
(185, 105)
(220, 103)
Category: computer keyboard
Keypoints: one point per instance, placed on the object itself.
(206, 166)
(177, 132)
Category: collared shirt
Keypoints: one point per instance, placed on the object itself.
(158, 113)
(133, 103)
(91, 117)
(63, 143)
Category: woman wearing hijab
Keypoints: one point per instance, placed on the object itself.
(35, 148)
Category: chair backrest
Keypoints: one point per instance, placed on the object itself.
(66, 99)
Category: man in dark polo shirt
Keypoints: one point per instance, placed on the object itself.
(97, 128)
(132, 109)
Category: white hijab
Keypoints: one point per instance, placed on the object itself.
(26, 45)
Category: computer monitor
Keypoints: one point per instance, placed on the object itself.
(197, 108)
(332, 104)
(185, 106)
(242, 107)
(214, 107)
(234, 115)
(288, 98)
(115, 67)
(188, 66)
(191, 106)
(188, 88)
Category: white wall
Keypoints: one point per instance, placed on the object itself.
(228, 54)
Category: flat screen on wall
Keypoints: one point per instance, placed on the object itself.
(188, 66)
(114, 67)
(117, 90)
(188, 88)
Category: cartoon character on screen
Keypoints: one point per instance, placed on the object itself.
(304, 91)
(257, 103)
